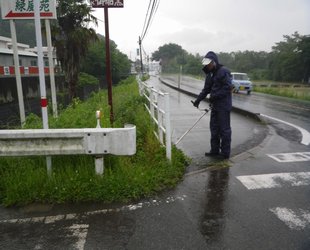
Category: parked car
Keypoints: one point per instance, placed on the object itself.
(241, 82)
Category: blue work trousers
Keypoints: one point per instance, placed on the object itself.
(220, 132)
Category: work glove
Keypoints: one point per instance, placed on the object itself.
(211, 99)
(211, 106)
(196, 103)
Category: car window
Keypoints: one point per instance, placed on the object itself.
(240, 77)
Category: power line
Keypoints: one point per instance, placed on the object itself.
(151, 11)
(149, 20)
(149, 17)
(147, 13)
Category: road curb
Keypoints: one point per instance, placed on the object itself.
(244, 112)
(239, 157)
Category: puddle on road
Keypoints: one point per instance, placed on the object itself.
(212, 220)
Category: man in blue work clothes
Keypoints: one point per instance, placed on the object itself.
(218, 85)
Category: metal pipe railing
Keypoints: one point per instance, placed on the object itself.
(159, 109)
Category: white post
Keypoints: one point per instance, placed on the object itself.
(99, 160)
(98, 116)
(168, 127)
(40, 63)
(17, 74)
(180, 76)
(160, 123)
(152, 98)
(99, 164)
(41, 74)
(51, 66)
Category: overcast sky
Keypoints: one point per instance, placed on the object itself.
(202, 25)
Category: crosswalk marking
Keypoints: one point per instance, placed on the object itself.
(80, 231)
(277, 180)
(295, 219)
(298, 219)
(291, 157)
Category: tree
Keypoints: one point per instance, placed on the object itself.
(171, 56)
(94, 62)
(72, 38)
(304, 50)
(193, 65)
(24, 28)
(287, 63)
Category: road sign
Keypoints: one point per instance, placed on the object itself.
(24, 9)
(107, 3)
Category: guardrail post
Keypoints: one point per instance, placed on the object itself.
(49, 166)
(168, 127)
(99, 165)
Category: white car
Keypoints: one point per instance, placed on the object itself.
(241, 82)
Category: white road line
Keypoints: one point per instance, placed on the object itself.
(297, 220)
(72, 216)
(53, 219)
(80, 231)
(278, 180)
(305, 134)
(291, 157)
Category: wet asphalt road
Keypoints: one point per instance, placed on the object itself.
(256, 203)
(290, 110)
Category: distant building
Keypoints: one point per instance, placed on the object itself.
(28, 58)
(154, 67)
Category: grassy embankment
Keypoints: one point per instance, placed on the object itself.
(24, 180)
(296, 91)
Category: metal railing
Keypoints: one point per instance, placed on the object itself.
(159, 110)
(88, 141)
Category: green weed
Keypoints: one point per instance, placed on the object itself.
(291, 92)
(24, 180)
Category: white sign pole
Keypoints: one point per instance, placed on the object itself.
(17, 74)
(41, 74)
(51, 66)
(40, 63)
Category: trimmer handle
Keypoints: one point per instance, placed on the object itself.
(206, 110)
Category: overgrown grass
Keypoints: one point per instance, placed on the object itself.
(301, 93)
(24, 180)
(291, 90)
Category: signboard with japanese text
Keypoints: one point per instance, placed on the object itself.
(107, 3)
(24, 9)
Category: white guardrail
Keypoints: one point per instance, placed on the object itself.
(88, 141)
(159, 109)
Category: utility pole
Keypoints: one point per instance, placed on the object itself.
(108, 4)
(108, 63)
(141, 55)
